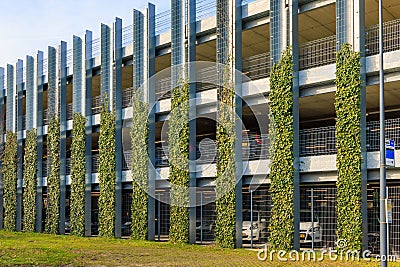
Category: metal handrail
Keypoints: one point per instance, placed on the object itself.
(317, 52)
(391, 37)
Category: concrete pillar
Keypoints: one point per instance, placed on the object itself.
(118, 123)
(62, 64)
(294, 42)
(87, 102)
(20, 95)
(149, 65)
(38, 123)
(191, 26)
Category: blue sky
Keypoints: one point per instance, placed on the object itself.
(31, 25)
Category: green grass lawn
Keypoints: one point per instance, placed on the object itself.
(48, 250)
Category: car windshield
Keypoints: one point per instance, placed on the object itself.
(305, 216)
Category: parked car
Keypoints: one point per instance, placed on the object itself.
(307, 227)
(67, 225)
(259, 226)
(126, 228)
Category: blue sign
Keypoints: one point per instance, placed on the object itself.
(390, 146)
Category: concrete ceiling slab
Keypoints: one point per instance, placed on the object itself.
(391, 11)
(317, 23)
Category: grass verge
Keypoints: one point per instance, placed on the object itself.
(28, 249)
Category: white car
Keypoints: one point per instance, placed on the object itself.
(307, 227)
(259, 227)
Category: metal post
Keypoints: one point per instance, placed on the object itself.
(158, 216)
(382, 167)
(312, 219)
(201, 217)
(387, 223)
(251, 218)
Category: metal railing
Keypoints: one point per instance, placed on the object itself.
(254, 147)
(127, 162)
(391, 37)
(70, 111)
(392, 131)
(322, 140)
(68, 166)
(317, 52)
(163, 88)
(209, 79)
(258, 66)
(45, 169)
(127, 35)
(96, 105)
(70, 57)
(95, 163)
(96, 47)
(45, 117)
(318, 141)
(127, 95)
(163, 22)
(205, 9)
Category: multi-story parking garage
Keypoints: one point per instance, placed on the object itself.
(255, 33)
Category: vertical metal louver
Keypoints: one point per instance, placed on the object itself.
(77, 81)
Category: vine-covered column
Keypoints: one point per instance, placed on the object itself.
(139, 169)
(53, 147)
(107, 172)
(228, 184)
(9, 172)
(282, 159)
(107, 144)
(78, 174)
(178, 133)
(178, 147)
(30, 181)
(53, 179)
(348, 144)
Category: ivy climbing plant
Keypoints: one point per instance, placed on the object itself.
(282, 159)
(9, 171)
(53, 179)
(226, 173)
(107, 174)
(348, 144)
(30, 181)
(178, 147)
(139, 138)
(78, 173)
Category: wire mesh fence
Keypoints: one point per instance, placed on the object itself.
(317, 52)
(205, 215)
(162, 216)
(391, 37)
(205, 9)
(257, 67)
(318, 215)
(322, 140)
(126, 212)
(254, 147)
(257, 204)
(393, 193)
